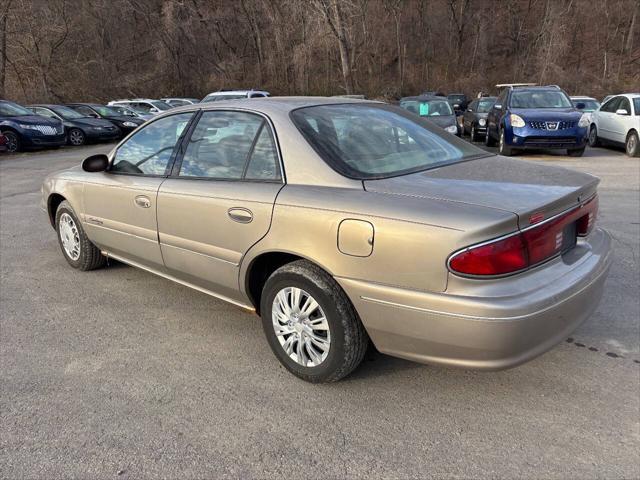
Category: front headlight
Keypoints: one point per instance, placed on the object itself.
(129, 124)
(585, 119)
(28, 127)
(516, 120)
(452, 129)
(482, 122)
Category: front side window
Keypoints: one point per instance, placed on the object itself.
(539, 99)
(624, 105)
(149, 150)
(377, 141)
(231, 146)
(611, 105)
(85, 111)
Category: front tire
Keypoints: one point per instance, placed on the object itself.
(76, 247)
(474, 133)
(593, 137)
(77, 137)
(310, 324)
(502, 147)
(13, 141)
(576, 152)
(632, 145)
(488, 139)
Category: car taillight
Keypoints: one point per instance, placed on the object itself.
(529, 247)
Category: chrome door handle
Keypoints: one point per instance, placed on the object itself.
(143, 201)
(241, 215)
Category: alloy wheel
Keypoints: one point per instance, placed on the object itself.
(12, 141)
(69, 236)
(632, 144)
(76, 137)
(301, 326)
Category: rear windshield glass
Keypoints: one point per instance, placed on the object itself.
(378, 141)
(429, 108)
(589, 105)
(539, 99)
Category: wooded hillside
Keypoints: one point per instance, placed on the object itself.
(63, 50)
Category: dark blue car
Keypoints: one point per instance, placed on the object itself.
(536, 117)
(23, 129)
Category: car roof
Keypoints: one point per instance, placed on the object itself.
(272, 104)
(236, 92)
(46, 105)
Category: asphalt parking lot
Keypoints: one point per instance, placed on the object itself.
(118, 373)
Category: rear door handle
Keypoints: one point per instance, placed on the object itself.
(143, 201)
(241, 215)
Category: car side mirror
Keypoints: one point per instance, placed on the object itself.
(469, 109)
(498, 106)
(154, 110)
(622, 111)
(580, 106)
(95, 163)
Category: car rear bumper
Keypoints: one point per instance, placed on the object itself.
(487, 324)
(528, 138)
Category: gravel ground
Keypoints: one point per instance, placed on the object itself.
(117, 373)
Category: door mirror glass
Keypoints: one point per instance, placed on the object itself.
(95, 163)
(622, 111)
(580, 106)
(154, 110)
(498, 106)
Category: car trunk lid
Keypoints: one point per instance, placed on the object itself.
(532, 191)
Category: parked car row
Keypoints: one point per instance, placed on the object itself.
(526, 116)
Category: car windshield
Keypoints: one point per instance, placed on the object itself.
(539, 99)
(105, 111)
(125, 111)
(377, 141)
(67, 113)
(589, 105)
(161, 105)
(456, 98)
(485, 105)
(8, 109)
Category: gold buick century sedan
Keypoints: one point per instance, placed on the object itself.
(341, 222)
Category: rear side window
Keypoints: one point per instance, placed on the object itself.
(231, 146)
(636, 105)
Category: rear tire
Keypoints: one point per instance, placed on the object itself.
(13, 141)
(576, 152)
(76, 247)
(328, 338)
(632, 145)
(593, 137)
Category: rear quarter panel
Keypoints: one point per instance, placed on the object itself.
(413, 237)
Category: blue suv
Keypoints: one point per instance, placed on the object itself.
(24, 129)
(536, 117)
